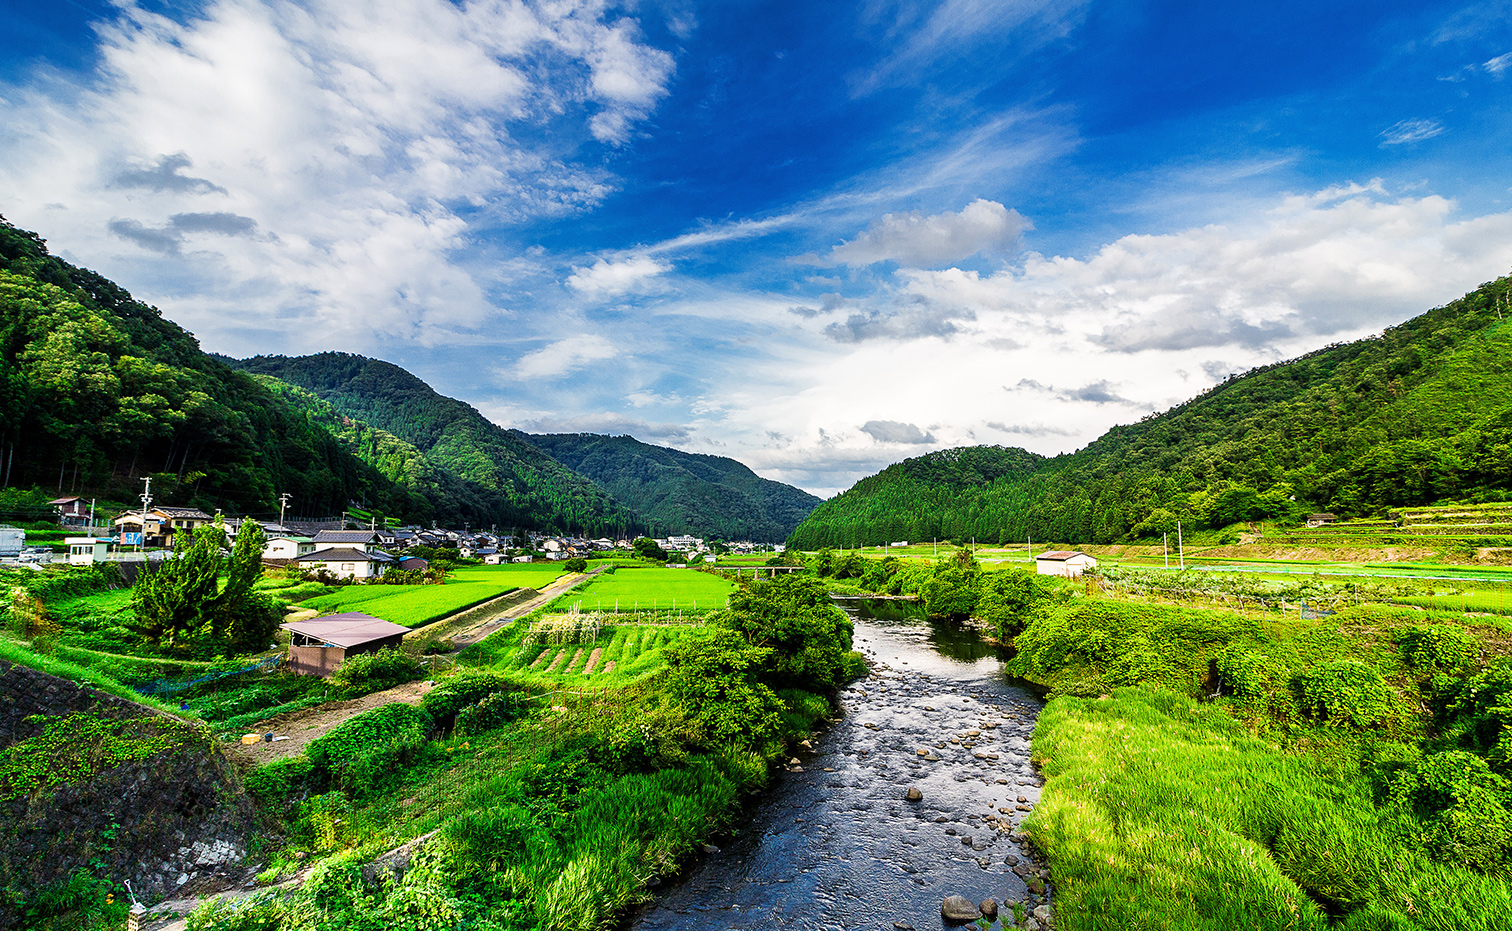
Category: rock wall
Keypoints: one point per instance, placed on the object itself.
(169, 823)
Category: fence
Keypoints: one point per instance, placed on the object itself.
(171, 687)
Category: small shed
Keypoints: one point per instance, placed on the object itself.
(85, 551)
(1066, 563)
(318, 645)
(1320, 520)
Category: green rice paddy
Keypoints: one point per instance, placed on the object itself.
(650, 590)
(621, 653)
(413, 605)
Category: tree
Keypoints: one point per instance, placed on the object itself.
(794, 618)
(647, 548)
(182, 606)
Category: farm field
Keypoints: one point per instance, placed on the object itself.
(413, 605)
(650, 589)
(621, 653)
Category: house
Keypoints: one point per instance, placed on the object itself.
(412, 563)
(347, 561)
(522, 559)
(364, 539)
(160, 526)
(288, 547)
(72, 512)
(1067, 563)
(1318, 520)
(85, 551)
(318, 645)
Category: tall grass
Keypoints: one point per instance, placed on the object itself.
(1161, 812)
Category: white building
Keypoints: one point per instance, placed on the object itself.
(288, 547)
(347, 561)
(1067, 563)
(84, 551)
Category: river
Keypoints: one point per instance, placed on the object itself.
(836, 845)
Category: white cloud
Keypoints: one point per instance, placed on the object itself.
(565, 356)
(611, 277)
(1406, 131)
(362, 141)
(1499, 64)
(927, 241)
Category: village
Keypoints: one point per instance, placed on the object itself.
(339, 546)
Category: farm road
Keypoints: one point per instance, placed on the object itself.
(301, 727)
(472, 635)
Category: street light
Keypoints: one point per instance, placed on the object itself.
(283, 503)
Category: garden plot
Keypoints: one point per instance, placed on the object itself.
(630, 590)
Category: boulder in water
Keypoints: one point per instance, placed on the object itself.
(958, 909)
(989, 909)
(913, 794)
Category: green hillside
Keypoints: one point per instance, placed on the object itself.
(682, 492)
(524, 486)
(97, 390)
(1420, 414)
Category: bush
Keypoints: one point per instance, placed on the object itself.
(456, 692)
(1346, 693)
(494, 710)
(1439, 649)
(374, 672)
(855, 666)
(576, 564)
(713, 676)
(1463, 804)
(805, 635)
(357, 753)
(280, 778)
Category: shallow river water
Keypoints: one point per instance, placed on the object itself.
(836, 845)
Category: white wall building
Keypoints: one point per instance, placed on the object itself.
(1067, 563)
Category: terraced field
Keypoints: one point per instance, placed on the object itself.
(621, 653)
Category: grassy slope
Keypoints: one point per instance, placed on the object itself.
(413, 605)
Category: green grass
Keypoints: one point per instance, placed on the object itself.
(16, 653)
(1161, 812)
(634, 649)
(413, 605)
(650, 589)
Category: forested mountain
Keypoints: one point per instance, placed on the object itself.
(1421, 413)
(682, 492)
(526, 487)
(97, 390)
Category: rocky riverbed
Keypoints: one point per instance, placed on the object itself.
(837, 842)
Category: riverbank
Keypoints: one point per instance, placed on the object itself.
(839, 844)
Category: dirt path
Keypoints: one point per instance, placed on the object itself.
(301, 727)
(471, 636)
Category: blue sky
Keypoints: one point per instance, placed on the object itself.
(819, 238)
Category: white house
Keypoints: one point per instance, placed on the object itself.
(288, 547)
(347, 561)
(1068, 563)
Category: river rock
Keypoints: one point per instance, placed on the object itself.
(988, 909)
(958, 909)
(1042, 914)
(913, 794)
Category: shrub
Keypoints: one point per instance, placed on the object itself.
(280, 778)
(576, 564)
(358, 752)
(1346, 693)
(713, 677)
(1463, 804)
(456, 692)
(855, 666)
(1439, 649)
(373, 672)
(494, 710)
(792, 618)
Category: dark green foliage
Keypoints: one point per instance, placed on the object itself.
(1440, 649)
(276, 781)
(1010, 598)
(181, 606)
(1418, 414)
(1463, 804)
(646, 548)
(576, 564)
(373, 672)
(716, 677)
(73, 748)
(491, 711)
(684, 493)
(1345, 693)
(357, 754)
(456, 692)
(98, 390)
(508, 480)
(792, 616)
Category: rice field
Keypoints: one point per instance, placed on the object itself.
(413, 605)
(629, 590)
(621, 653)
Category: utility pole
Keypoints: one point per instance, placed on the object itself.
(283, 504)
(1180, 549)
(146, 502)
(1031, 549)
(1165, 548)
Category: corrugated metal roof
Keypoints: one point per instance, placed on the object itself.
(346, 630)
(1060, 555)
(345, 536)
